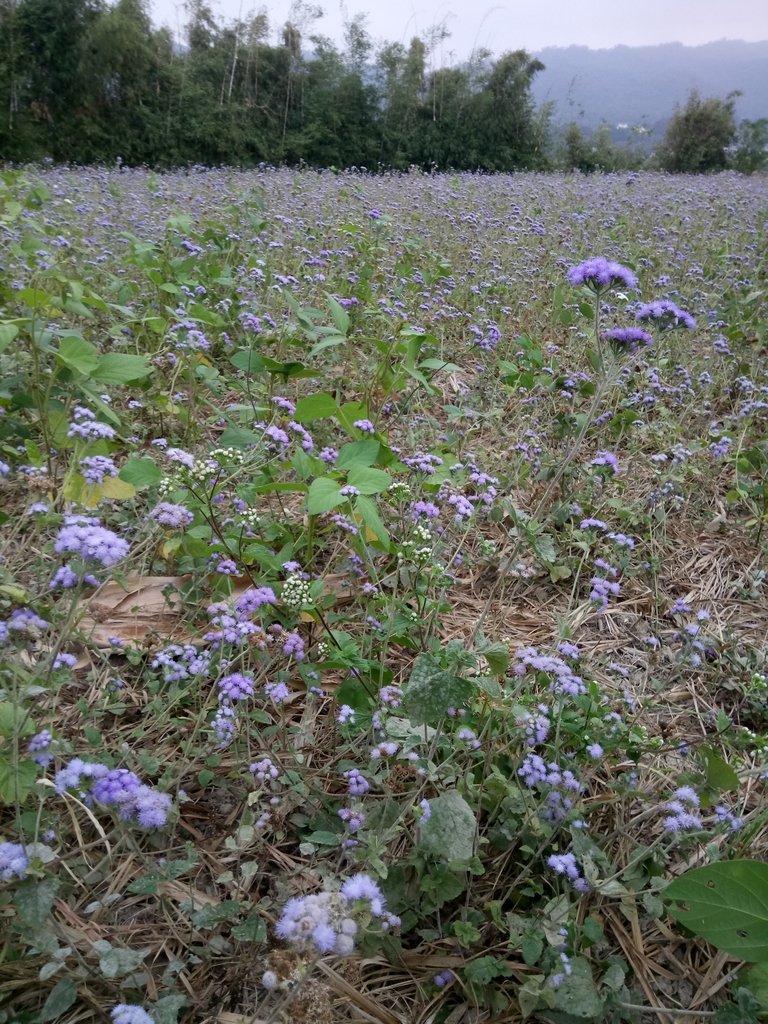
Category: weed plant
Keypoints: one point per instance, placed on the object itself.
(382, 593)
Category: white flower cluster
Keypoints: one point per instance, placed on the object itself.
(296, 594)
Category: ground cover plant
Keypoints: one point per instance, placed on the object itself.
(383, 597)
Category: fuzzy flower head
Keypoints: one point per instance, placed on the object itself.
(89, 540)
(665, 314)
(628, 339)
(599, 273)
(13, 861)
(126, 1013)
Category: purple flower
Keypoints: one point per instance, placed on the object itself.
(13, 861)
(90, 541)
(175, 516)
(629, 338)
(346, 714)
(365, 426)
(126, 1013)
(665, 314)
(96, 467)
(278, 692)
(235, 687)
(293, 646)
(357, 784)
(598, 273)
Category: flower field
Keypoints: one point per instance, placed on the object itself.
(383, 597)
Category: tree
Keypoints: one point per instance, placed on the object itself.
(699, 134)
(751, 153)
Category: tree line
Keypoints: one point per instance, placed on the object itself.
(84, 81)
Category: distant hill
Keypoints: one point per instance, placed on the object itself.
(640, 85)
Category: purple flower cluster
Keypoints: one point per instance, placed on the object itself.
(85, 425)
(599, 273)
(174, 516)
(566, 864)
(565, 683)
(22, 622)
(13, 861)
(557, 782)
(683, 808)
(325, 922)
(357, 784)
(84, 536)
(116, 787)
(127, 1013)
(178, 662)
(665, 314)
(96, 468)
(235, 687)
(628, 339)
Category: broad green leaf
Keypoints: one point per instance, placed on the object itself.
(7, 333)
(449, 831)
(577, 994)
(369, 480)
(726, 904)
(116, 961)
(315, 407)
(113, 487)
(239, 437)
(16, 780)
(720, 775)
(141, 472)
(166, 1009)
(431, 690)
(339, 314)
(33, 900)
(368, 512)
(121, 368)
(14, 719)
(60, 998)
(248, 360)
(324, 494)
(78, 354)
(358, 453)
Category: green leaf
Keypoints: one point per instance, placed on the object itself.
(16, 780)
(324, 494)
(358, 453)
(78, 354)
(449, 831)
(239, 437)
(369, 514)
(248, 360)
(34, 900)
(726, 904)
(720, 775)
(7, 333)
(369, 480)
(339, 314)
(485, 969)
(315, 407)
(466, 933)
(60, 998)
(121, 368)
(116, 961)
(166, 1009)
(577, 995)
(253, 928)
(431, 690)
(757, 981)
(14, 719)
(141, 472)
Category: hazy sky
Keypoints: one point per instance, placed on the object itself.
(515, 24)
